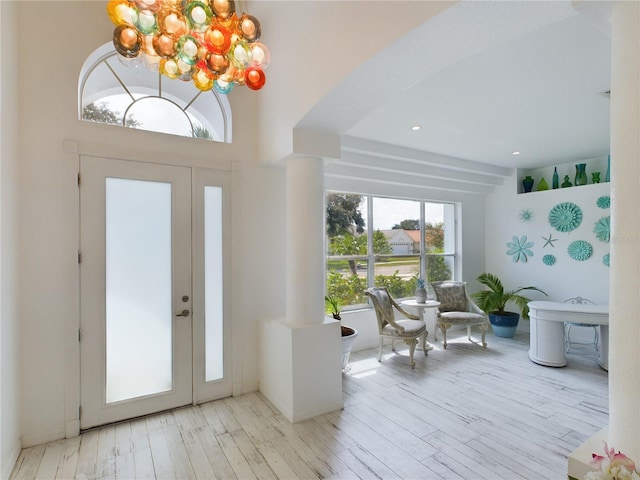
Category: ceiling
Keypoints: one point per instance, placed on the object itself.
(540, 94)
(482, 79)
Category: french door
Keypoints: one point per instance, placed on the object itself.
(152, 310)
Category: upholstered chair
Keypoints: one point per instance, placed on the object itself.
(408, 330)
(457, 308)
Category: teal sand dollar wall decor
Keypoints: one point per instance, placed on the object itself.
(549, 260)
(565, 217)
(525, 215)
(603, 202)
(602, 229)
(606, 259)
(580, 250)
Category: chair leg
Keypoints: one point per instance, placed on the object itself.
(443, 328)
(412, 342)
(393, 345)
(380, 350)
(596, 339)
(483, 328)
(424, 342)
(469, 332)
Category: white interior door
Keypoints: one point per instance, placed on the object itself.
(136, 288)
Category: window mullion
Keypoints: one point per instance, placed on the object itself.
(370, 253)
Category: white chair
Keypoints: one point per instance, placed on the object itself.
(408, 330)
(569, 325)
(457, 308)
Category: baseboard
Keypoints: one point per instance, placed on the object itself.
(40, 438)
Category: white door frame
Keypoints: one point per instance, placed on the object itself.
(73, 150)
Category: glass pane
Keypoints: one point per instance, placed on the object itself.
(158, 115)
(396, 226)
(214, 338)
(347, 281)
(434, 227)
(346, 224)
(398, 274)
(138, 288)
(439, 268)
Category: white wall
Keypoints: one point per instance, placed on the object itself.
(47, 99)
(568, 277)
(9, 133)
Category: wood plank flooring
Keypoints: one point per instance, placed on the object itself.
(463, 413)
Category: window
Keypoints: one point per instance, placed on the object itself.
(116, 93)
(390, 242)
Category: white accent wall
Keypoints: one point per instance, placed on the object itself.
(567, 278)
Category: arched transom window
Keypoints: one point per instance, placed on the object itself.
(132, 96)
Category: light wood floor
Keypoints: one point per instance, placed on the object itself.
(463, 413)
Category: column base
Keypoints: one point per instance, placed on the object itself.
(300, 368)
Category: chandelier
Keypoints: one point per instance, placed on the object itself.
(203, 41)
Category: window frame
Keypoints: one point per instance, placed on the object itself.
(451, 255)
(150, 84)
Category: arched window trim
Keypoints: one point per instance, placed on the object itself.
(156, 86)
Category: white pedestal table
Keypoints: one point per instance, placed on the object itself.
(547, 330)
(421, 306)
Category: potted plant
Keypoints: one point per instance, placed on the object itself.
(494, 300)
(333, 305)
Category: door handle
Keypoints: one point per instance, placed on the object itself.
(184, 313)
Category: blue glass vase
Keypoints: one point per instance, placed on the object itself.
(581, 175)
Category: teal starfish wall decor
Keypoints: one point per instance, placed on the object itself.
(549, 241)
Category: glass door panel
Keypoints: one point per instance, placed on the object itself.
(214, 311)
(138, 288)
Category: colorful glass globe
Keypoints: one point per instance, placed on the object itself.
(217, 39)
(217, 63)
(172, 23)
(198, 15)
(188, 49)
(150, 5)
(145, 22)
(249, 27)
(202, 80)
(169, 67)
(120, 12)
(223, 9)
(254, 78)
(164, 45)
(223, 87)
(261, 55)
(240, 55)
(127, 41)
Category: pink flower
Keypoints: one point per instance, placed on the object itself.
(612, 459)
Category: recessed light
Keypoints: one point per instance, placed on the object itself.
(415, 128)
(515, 153)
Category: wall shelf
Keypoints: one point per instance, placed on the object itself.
(596, 164)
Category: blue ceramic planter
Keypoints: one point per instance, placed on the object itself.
(504, 325)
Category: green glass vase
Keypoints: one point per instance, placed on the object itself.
(581, 175)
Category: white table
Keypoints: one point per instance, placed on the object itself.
(547, 330)
(421, 306)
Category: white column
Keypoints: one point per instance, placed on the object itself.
(305, 241)
(300, 356)
(624, 298)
